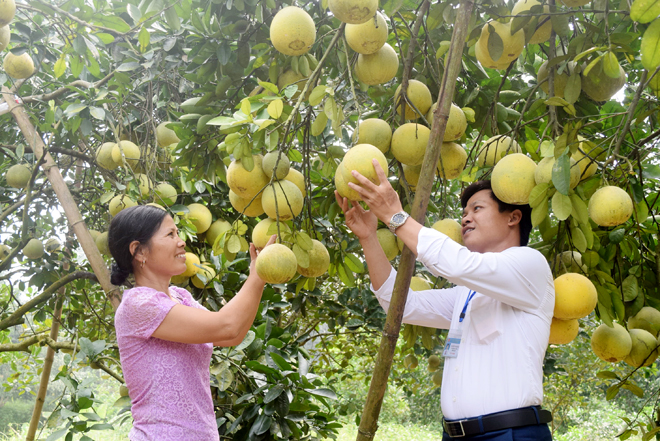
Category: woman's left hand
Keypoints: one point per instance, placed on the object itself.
(254, 253)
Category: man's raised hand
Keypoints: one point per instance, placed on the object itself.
(362, 223)
(382, 200)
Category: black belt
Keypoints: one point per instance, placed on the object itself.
(526, 416)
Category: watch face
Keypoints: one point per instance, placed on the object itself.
(399, 217)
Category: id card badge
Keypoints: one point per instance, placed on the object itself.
(453, 343)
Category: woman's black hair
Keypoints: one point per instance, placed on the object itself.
(525, 224)
(133, 223)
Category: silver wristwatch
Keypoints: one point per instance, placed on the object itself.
(397, 220)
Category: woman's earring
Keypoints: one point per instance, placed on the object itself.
(142, 266)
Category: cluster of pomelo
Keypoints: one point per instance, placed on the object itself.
(19, 65)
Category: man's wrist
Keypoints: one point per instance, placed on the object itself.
(396, 220)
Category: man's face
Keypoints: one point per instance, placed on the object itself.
(484, 228)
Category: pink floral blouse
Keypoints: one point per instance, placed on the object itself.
(169, 382)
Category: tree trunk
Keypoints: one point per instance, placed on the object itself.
(70, 207)
(368, 423)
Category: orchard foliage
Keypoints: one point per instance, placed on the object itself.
(114, 70)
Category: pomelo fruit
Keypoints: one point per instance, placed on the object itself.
(543, 173)
(245, 183)
(165, 136)
(368, 37)
(209, 274)
(513, 179)
(611, 344)
(165, 194)
(437, 378)
(5, 36)
(419, 284)
(18, 66)
(191, 265)
(104, 156)
(569, 262)
(561, 79)
(126, 150)
(411, 173)
(319, 261)
(276, 264)
(216, 229)
(250, 207)
(18, 176)
(451, 228)
(610, 206)
(563, 331)
(379, 67)
(292, 31)
(273, 158)
(456, 124)
(144, 184)
(418, 95)
(353, 11)
(7, 11)
(513, 45)
(387, 242)
(260, 233)
(599, 86)
(376, 132)
(342, 187)
(575, 296)
(544, 27)
(290, 76)
(120, 202)
(200, 216)
(433, 363)
(288, 198)
(409, 143)
(53, 245)
(644, 350)
(410, 362)
(452, 160)
(297, 178)
(496, 148)
(102, 243)
(34, 249)
(359, 158)
(648, 318)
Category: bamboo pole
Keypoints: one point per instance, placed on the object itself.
(390, 334)
(45, 373)
(69, 205)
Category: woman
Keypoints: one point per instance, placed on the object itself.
(165, 337)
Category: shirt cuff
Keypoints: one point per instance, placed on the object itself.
(385, 291)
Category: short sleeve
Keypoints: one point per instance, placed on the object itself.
(144, 311)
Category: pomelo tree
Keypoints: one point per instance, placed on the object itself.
(178, 103)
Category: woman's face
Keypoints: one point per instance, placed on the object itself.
(165, 254)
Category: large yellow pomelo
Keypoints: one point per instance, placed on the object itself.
(18, 176)
(260, 233)
(216, 229)
(273, 159)
(644, 348)
(513, 45)
(543, 174)
(563, 331)
(411, 173)
(419, 284)
(456, 124)
(409, 143)
(297, 178)
(575, 296)
(376, 132)
(387, 242)
(290, 76)
(418, 95)
(292, 31)
(568, 262)
(342, 187)
(319, 261)
(247, 206)
(5, 36)
(200, 216)
(165, 194)
(165, 136)
(126, 150)
(53, 245)
(359, 158)
(610, 206)
(433, 363)
(245, 183)
(18, 66)
(368, 37)
(611, 344)
(191, 265)
(104, 156)
(144, 184)
(648, 318)
(34, 249)
(288, 197)
(120, 202)
(599, 86)
(561, 79)
(353, 11)
(452, 160)
(379, 67)
(208, 272)
(101, 242)
(513, 179)
(276, 264)
(410, 361)
(7, 11)
(544, 26)
(496, 148)
(450, 228)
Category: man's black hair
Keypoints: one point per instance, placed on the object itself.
(526, 219)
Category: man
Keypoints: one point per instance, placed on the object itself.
(498, 314)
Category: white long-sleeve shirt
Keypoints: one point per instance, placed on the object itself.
(504, 333)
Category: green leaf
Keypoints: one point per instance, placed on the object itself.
(630, 288)
(319, 124)
(579, 241)
(612, 392)
(302, 256)
(172, 19)
(651, 47)
(144, 37)
(354, 263)
(561, 206)
(616, 236)
(246, 107)
(561, 174)
(225, 377)
(97, 112)
(112, 22)
(607, 375)
(233, 244)
(519, 21)
(330, 107)
(539, 212)
(636, 390)
(644, 11)
(322, 392)
(275, 108)
(561, 25)
(495, 44)
(60, 66)
(273, 393)
(304, 241)
(57, 435)
(573, 88)
(580, 211)
(611, 65)
(556, 101)
(317, 95)
(443, 47)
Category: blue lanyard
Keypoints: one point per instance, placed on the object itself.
(467, 302)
